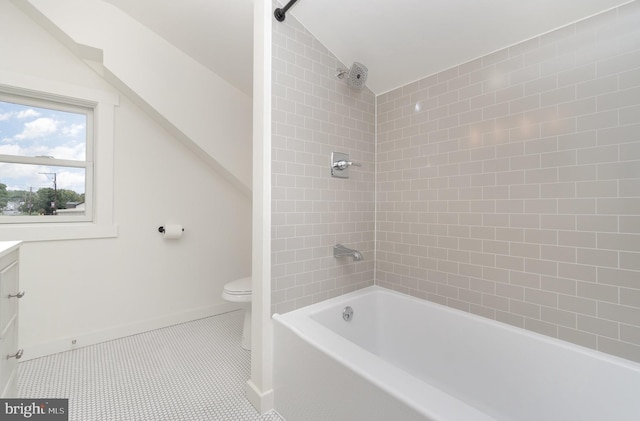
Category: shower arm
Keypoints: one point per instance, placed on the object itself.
(280, 13)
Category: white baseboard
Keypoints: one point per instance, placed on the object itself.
(91, 338)
(261, 401)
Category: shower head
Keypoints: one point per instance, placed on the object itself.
(356, 75)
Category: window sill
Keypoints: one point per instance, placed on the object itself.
(57, 231)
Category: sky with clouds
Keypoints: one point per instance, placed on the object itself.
(32, 131)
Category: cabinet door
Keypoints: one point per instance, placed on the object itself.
(8, 329)
(9, 366)
(8, 285)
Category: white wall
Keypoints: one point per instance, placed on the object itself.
(209, 114)
(259, 389)
(96, 289)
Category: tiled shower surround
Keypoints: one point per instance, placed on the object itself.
(508, 186)
(314, 114)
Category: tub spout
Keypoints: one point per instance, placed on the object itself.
(341, 251)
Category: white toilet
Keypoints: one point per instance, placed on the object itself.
(239, 291)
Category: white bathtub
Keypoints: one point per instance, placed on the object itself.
(401, 358)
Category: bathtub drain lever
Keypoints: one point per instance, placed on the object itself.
(347, 313)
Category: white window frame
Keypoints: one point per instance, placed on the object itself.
(86, 164)
(99, 221)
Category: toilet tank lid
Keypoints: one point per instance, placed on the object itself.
(239, 285)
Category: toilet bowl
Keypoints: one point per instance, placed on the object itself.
(239, 291)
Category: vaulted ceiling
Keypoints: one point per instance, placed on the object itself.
(399, 41)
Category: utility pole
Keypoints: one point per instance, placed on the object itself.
(29, 202)
(55, 190)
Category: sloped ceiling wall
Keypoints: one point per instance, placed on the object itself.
(400, 42)
(209, 114)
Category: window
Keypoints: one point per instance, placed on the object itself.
(56, 160)
(46, 161)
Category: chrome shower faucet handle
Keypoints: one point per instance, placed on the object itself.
(340, 164)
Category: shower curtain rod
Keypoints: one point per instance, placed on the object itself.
(279, 13)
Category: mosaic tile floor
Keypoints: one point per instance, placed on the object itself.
(192, 371)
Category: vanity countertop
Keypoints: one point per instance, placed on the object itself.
(7, 247)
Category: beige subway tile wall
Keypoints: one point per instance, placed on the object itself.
(509, 186)
(315, 114)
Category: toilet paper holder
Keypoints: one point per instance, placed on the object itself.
(161, 229)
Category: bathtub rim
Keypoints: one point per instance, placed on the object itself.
(317, 335)
(303, 325)
(312, 309)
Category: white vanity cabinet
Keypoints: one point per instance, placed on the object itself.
(9, 297)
